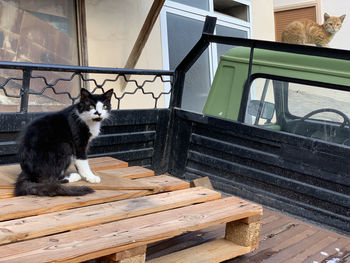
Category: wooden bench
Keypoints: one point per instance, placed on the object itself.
(116, 225)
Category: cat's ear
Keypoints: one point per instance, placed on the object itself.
(326, 16)
(84, 94)
(108, 94)
(342, 18)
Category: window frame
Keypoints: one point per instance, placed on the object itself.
(288, 115)
(81, 32)
(200, 14)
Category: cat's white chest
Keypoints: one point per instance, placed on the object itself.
(94, 128)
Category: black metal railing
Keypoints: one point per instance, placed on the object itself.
(16, 82)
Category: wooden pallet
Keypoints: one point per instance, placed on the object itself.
(114, 225)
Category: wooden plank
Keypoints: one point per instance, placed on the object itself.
(109, 180)
(202, 181)
(271, 243)
(106, 239)
(318, 246)
(16, 230)
(184, 241)
(112, 182)
(6, 193)
(9, 173)
(296, 249)
(128, 253)
(209, 252)
(23, 206)
(106, 163)
(132, 172)
(332, 251)
(166, 182)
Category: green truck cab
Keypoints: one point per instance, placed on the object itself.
(293, 93)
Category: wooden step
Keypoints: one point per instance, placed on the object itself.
(210, 252)
(109, 238)
(57, 222)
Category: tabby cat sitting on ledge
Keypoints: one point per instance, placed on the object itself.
(308, 32)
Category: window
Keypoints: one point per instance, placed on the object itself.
(308, 110)
(39, 31)
(182, 24)
(261, 105)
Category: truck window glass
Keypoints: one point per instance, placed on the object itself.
(311, 111)
(260, 107)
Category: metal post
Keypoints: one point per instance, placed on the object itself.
(189, 60)
(25, 90)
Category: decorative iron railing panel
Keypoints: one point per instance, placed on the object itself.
(26, 85)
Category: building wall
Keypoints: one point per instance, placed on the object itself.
(337, 8)
(263, 24)
(112, 29)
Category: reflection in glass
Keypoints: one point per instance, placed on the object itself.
(183, 34)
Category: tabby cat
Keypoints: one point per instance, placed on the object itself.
(51, 143)
(308, 32)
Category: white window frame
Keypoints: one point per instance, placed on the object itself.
(200, 14)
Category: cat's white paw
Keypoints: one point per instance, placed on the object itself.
(73, 177)
(93, 179)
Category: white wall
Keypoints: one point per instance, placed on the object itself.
(279, 3)
(337, 8)
(263, 23)
(112, 29)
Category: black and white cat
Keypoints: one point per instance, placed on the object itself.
(51, 143)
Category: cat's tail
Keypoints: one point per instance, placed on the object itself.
(23, 186)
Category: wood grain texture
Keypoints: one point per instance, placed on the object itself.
(109, 181)
(23, 206)
(106, 239)
(132, 172)
(128, 253)
(18, 207)
(106, 163)
(32, 227)
(9, 173)
(166, 182)
(6, 193)
(209, 252)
